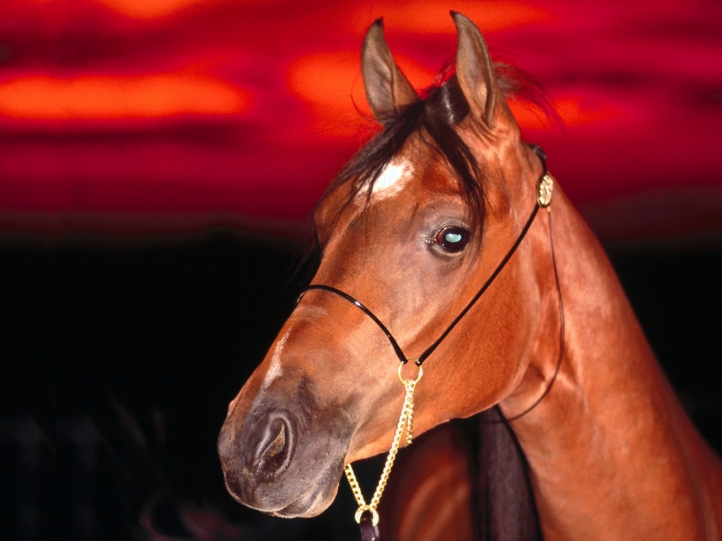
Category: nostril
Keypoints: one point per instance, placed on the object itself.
(275, 449)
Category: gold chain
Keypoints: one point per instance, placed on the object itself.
(406, 421)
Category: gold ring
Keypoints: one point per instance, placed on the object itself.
(418, 377)
(372, 510)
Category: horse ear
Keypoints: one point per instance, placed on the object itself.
(387, 90)
(475, 73)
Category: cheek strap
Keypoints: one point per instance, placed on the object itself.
(545, 189)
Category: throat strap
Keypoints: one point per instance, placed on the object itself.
(560, 356)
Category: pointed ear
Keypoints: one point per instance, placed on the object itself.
(387, 90)
(475, 73)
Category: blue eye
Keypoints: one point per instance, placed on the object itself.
(452, 239)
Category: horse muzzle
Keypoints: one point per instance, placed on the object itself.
(287, 459)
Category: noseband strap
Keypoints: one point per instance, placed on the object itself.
(349, 298)
(543, 201)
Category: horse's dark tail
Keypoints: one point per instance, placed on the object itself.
(504, 501)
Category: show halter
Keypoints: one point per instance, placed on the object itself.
(368, 525)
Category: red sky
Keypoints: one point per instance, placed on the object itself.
(132, 116)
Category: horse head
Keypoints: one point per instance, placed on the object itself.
(412, 227)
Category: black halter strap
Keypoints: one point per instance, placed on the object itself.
(425, 355)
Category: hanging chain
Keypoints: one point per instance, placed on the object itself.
(406, 421)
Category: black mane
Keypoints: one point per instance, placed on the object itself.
(434, 118)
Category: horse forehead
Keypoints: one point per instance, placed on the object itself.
(394, 177)
(396, 186)
(412, 174)
(409, 178)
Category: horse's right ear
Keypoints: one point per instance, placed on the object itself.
(475, 73)
(387, 90)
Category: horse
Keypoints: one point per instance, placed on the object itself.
(446, 238)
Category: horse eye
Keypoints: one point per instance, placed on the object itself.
(452, 239)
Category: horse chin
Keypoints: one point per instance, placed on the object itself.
(309, 504)
(297, 497)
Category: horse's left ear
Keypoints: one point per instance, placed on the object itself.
(475, 72)
(387, 90)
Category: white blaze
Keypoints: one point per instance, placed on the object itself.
(392, 179)
(275, 370)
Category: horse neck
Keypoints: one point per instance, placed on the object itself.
(611, 452)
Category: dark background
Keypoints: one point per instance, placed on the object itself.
(128, 353)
